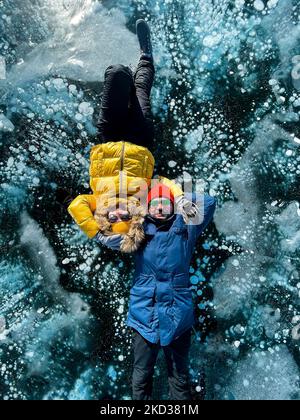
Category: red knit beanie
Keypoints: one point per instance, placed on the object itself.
(160, 191)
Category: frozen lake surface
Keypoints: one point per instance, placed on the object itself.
(227, 107)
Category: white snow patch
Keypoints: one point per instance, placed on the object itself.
(211, 41)
(43, 258)
(5, 124)
(194, 139)
(85, 44)
(266, 376)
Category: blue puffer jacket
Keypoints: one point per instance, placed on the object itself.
(161, 304)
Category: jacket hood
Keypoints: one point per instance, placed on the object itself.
(135, 237)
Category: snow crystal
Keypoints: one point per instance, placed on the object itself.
(239, 3)
(235, 263)
(296, 140)
(85, 108)
(194, 139)
(172, 164)
(259, 5)
(272, 3)
(211, 41)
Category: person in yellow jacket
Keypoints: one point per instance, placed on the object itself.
(122, 166)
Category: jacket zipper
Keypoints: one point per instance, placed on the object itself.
(122, 167)
(145, 167)
(156, 306)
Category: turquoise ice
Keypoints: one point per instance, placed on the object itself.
(227, 103)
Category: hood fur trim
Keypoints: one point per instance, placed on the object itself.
(131, 241)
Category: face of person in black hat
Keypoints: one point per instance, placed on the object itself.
(161, 208)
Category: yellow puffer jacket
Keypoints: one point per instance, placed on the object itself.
(116, 168)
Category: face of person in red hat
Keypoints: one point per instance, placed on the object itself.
(161, 202)
(161, 208)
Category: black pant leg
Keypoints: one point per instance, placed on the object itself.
(141, 127)
(114, 112)
(143, 81)
(145, 356)
(176, 355)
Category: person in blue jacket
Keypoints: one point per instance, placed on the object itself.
(161, 311)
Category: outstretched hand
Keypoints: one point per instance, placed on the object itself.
(187, 209)
(113, 242)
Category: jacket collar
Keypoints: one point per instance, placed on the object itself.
(151, 228)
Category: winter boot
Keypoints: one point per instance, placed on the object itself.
(144, 37)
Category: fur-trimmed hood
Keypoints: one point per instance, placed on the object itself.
(136, 235)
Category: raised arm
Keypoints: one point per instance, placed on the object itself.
(82, 210)
(184, 206)
(207, 207)
(175, 188)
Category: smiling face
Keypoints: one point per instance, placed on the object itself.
(161, 208)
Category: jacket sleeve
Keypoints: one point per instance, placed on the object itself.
(113, 242)
(82, 210)
(175, 188)
(207, 207)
